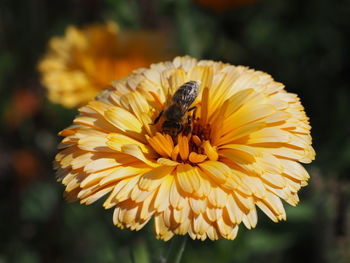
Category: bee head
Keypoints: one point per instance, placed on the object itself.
(172, 127)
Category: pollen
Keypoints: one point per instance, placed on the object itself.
(199, 138)
(191, 148)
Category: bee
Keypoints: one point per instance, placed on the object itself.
(174, 114)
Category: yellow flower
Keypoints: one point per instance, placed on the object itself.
(84, 61)
(248, 139)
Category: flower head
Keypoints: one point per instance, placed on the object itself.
(86, 60)
(243, 151)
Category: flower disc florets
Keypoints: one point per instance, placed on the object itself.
(247, 139)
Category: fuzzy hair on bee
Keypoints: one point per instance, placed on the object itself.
(174, 114)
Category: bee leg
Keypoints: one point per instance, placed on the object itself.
(194, 113)
(157, 119)
(188, 127)
(192, 108)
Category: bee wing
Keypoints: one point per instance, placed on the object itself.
(186, 94)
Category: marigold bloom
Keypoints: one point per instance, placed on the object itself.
(248, 139)
(86, 60)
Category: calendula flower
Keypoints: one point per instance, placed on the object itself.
(86, 60)
(244, 151)
(222, 5)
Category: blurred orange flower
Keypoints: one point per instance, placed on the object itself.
(222, 5)
(248, 139)
(26, 166)
(86, 60)
(24, 104)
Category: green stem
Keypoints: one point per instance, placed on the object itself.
(181, 250)
(176, 250)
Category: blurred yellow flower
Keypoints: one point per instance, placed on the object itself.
(222, 5)
(248, 139)
(86, 60)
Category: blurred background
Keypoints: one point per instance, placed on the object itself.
(300, 43)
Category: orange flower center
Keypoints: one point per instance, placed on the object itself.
(193, 147)
(199, 133)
